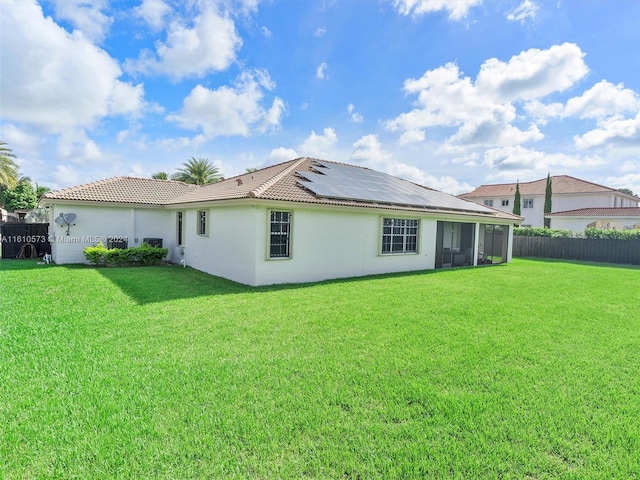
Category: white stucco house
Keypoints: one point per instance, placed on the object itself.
(621, 218)
(298, 221)
(568, 193)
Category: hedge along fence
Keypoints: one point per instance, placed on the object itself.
(101, 256)
(588, 233)
(588, 249)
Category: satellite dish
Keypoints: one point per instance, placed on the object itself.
(65, 219)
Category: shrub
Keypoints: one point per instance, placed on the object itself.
(612, 234)
(542, 232)
(588, 233)
(99, 255)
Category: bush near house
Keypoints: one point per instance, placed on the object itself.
(100, 255)
(612, 234)
(588, 233)
(542, 232)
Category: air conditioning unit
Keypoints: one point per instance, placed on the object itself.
(153, 242)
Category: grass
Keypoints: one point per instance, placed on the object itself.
(527, 370)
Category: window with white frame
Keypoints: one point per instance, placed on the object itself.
(488, 203)
(399, 235)
(527, 203)
(280, 235)
(505, 203)
(202, 223)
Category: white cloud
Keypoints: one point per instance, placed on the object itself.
(153, 12)
(86, 16)
(411, 136)
(19, 139)
(282, 154)
(534, 73)
(235, 110)
(319, 146)
(483, 112)
(209, 45)
(265, 32)
(629, 166)
(38, 89)
(630, 181)
(611, 129)
(77, 147)
(458, 9)
(65, 176)
(274, 114)
(354, 117)
(321, 71)
(600, 101)
(369, 151)
(519, 162)
(527, 9)
(178, 143)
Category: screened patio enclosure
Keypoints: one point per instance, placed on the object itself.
(492, 244)
(456, 244)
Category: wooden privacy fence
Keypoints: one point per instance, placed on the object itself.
(588, 249)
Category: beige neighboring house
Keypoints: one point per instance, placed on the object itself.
(568, 194)
(621, 218)
(299, 221)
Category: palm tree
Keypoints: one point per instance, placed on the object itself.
(198, 171)
(8, 167)
(41, 190)
(160, 176)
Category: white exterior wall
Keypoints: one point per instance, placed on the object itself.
(534, 217)
(229, 248)
(338, 244)
(325, 243)
(579, 224)
(98, 223)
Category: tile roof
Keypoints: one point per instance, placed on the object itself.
(144, 191)
(561, 184)
(279, 182)
(599, 212)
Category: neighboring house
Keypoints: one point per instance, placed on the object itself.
(7, 217)
(621, 218)
(299, 221)
(568, 193)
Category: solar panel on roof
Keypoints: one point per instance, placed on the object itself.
(355, 183)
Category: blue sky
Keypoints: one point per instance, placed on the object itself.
(447, 93)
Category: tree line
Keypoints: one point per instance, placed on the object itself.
(16, 191)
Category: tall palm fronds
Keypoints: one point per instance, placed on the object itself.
(8, 167)
(198, 171)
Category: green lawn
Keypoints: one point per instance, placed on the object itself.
(529, 370)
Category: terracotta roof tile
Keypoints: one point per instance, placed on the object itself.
(279, 182)
(599, 212)
(561, 184)
(145, 191)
